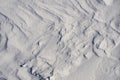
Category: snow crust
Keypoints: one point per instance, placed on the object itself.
(59, 39)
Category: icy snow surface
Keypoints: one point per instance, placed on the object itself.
(59, 39)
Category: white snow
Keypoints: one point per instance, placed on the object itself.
(59, 40)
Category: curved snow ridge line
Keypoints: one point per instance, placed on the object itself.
(3, 42)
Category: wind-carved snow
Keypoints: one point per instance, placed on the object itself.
(59, 40)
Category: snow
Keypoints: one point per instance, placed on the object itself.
(59, 40)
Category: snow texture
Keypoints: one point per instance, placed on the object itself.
(59, 39)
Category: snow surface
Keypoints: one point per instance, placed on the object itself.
(59, 39)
